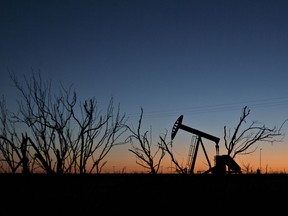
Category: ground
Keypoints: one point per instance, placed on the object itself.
(143, 194)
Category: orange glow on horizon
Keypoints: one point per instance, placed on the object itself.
(273, 160)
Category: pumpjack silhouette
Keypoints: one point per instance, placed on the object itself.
(223, 163)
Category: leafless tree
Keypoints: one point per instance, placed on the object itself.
(62, 137)
(167, 148)
(147, 155)
(247, 168)
(241, 140)
(13, 147)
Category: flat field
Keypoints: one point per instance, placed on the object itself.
(41, 194)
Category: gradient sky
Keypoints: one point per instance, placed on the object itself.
(204, 59)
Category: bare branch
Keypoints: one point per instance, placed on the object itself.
(242, 142)
(146, 155)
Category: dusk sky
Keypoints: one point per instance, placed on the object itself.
(204, 59)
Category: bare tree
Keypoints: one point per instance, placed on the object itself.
(241, 140)
(13, 147)
(147, 155)
(247, 168)
(62, 138)
(167, 148)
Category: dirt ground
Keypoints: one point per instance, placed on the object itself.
(39, 194)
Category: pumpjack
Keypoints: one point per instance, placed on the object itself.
(223, 163)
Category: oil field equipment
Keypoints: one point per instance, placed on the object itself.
(222, 162)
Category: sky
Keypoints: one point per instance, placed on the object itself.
(202, 59)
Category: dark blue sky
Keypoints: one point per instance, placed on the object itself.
(205, 59)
